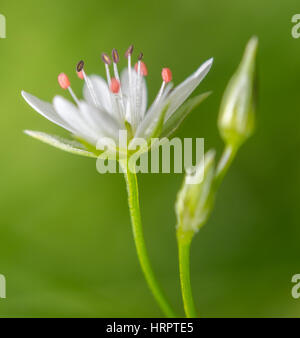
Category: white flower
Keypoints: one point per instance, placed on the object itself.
(119, 103)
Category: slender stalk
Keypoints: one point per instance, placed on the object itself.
(184, 238)
(134, 207)
(225, 161)
(184, 244)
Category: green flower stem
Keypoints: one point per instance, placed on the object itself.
(224, 164)
(184, 238)
(134, 207)
(184, 243)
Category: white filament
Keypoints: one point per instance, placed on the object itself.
(107, 74)
(115, 98)
(73, 95)
(130, 99)
(91, 89)
(138, 91)
(116, 72)
(160, 93)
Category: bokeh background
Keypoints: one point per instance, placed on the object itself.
(66, 246)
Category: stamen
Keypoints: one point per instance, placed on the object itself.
(129, 51)
(82, 75)
(105, 58)
(115, 56)
(141, 69)
(162, 88)
(138, 90)
(128, 56)
(114, 86)
(144, 70)
(80, 66)
(64, 83)
(73, 95)
(79, 69)
(166, 75)
(140, 57)
(116, 59)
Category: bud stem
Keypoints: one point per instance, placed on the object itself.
(184, 240)
(224, 163)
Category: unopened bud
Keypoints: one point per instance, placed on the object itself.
(195, 199)
(237, 112)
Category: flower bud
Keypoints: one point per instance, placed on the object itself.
(237, 112)
(195, 198)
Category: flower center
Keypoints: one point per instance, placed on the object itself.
(129, 106)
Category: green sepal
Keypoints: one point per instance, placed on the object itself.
(69, 146)
(177, 118)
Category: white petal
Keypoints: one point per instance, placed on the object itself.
(185, 89)
(142, 94)
(153, 114)
(103, 123)
(160, 100)
(102, 93)
(60, 143)
(72, 115)
(47, 110)
(152, 124)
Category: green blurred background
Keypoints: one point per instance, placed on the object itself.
(66, 246)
